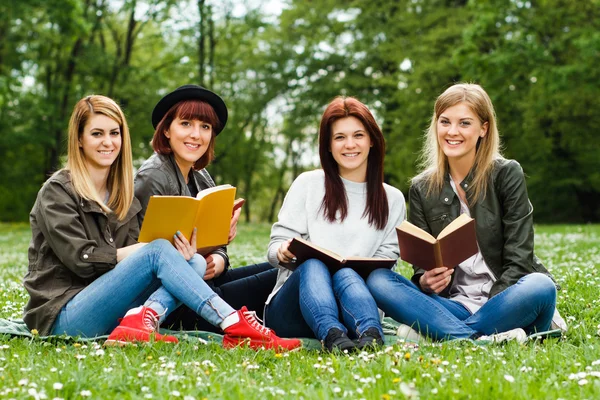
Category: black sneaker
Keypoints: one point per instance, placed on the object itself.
(369, 338)
(336, 339)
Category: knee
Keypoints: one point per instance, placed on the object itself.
(313, 266)
(160, 245)
(379, 279)
(541, 285)
(346, 275)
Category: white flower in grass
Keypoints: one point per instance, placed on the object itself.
(509, 378)
(23, 382)
(175, 393)
(336, 390)
(85, 393)
(148, 396)
(189, 398)
(58, 398)
(582, 382)
(57, 386)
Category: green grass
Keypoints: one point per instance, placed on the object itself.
(566, 369)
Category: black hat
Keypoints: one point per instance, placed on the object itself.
(189, 92)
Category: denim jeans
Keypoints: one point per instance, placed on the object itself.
(247, 286)
(528, 304)
(311, 302)
(94, 311)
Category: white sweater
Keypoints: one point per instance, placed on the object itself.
(301, 216)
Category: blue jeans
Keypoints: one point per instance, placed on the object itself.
(311, 302)
(247, 286)
(528, 304)
(94, 311)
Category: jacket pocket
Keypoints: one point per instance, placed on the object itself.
(438, 222)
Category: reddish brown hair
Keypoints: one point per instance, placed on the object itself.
(335, 198)
(190, 110)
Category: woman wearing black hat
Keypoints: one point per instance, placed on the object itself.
(186, 122)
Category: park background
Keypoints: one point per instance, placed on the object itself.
(278, 63)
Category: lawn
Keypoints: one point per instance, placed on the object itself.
(556, 369)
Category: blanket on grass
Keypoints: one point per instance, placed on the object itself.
(17, 328)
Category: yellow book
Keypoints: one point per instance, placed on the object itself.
(210, 212)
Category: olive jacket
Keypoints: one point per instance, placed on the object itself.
(73, 243)
(159, 175)
(503, 222)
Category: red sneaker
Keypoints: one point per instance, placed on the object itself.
(138, 326)
(252, 333)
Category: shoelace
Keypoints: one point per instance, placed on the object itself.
(151, 320)
(256, 322)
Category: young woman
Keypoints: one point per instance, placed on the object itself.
(86, 269)
(346, 208)
(186, 123)
(503, 290)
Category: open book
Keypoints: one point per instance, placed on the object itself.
(304, 250)
(454, 244)
(210, 212)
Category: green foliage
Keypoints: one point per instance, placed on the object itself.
(538, 61)
(567, 369)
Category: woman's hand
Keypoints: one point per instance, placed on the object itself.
(215, 265)
(233, 224)
(283, 254)
(185, 248)
(436, 280)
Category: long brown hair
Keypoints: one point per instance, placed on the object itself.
(335, 198)
(120, 176)
(189, 110)
(434, 161)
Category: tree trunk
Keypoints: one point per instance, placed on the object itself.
(201, 50)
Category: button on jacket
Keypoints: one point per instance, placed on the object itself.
(73, 243)
(160, 175)
(503, 222)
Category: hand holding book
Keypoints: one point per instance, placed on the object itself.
(455, 243)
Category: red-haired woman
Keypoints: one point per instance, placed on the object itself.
(346, 208)
(186, 123)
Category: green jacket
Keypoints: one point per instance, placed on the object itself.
(503, 220)
(73, 243)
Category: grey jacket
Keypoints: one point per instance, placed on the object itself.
(73, 243)
(159, 175)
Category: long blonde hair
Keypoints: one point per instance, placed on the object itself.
(120, 176)
(434, 161)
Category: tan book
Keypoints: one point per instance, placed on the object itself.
(210, 212)
(305, 250)
(455, 243)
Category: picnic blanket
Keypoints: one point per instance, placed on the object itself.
(17, 328)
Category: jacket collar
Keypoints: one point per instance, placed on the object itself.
(447, 194)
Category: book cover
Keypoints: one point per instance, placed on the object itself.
(210, 212)
(305, 250)
(455, 243)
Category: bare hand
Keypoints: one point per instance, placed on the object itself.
(233, 224)
(436, 280)
(215, 265)
(186, 248)
(283, 254)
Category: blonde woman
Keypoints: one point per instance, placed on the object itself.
(86, 268)
(503, 290)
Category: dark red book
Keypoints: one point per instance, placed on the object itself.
(305, 250)
(455, 243)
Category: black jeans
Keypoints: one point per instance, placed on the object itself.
(244, 286)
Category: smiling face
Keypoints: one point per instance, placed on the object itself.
(189, 139)
(100, 142)
(350, 145)
(458, 130)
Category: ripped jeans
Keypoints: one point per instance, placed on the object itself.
(154, 275)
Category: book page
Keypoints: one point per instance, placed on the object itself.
(463, 219)
(414, 230)
(206, 192)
